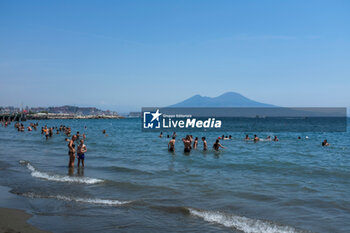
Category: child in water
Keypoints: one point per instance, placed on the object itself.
(81, 153)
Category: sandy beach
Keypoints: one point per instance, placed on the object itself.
(15, 221)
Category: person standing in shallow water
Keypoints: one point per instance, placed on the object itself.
(205, 145)
(195, 143)
(217, 145)
(71, 151)
(171, 145)
(187, 144)
(81, 153)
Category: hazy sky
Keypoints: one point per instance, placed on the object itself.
(127, 54)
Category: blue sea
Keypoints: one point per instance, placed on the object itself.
(131, 183)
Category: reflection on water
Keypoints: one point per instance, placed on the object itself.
(79, 172)
(70, 171)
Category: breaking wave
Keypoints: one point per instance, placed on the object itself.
(76, 199)
(240, 223)
(59, 178)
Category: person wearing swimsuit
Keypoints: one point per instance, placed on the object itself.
(187, 144)
(81, 153)
(71, 151)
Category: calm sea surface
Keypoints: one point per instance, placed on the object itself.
(131, 183)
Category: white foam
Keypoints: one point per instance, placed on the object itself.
(78, 199)
(60, 178)
(243, 224)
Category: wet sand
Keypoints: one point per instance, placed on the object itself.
(15, 221)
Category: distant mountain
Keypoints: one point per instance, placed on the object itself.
(229, 99)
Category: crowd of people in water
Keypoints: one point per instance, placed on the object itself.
(79, 151)
(48, 132)
(190, 143)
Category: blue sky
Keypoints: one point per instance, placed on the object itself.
(123, 55)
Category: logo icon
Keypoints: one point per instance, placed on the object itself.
(151, 120)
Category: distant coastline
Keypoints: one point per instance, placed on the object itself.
(47, 116)
(43, 116)
(62, 112)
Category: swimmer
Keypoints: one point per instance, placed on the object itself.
(268, 138)
(247, 138)
(46, 131)
(78, 135)
(104, 132)
(171, 145)
(275, 139)
(217, 145)
(256, 138)
(299, 138)
(71, 151)
(161, 134)
(68, 131)
(50, 132)
(187, 144)
(229, 137)
(325, 143)
(205, 145)
(29, 128)
(195, 143)
(81, 153)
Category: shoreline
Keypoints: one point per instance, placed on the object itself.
(15, 220)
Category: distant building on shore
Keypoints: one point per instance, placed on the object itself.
(9, 109)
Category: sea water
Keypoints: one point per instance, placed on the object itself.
(131, 183)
